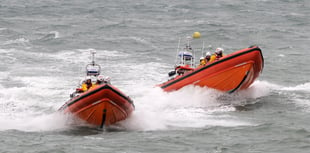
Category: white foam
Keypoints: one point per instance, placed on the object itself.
(6, 50)
(55, 33)
(190, 106)
(138, 39)
(41, 122)
(301, 87)
(299, 95)
(83, 56)
(32, 106)
(257, 89)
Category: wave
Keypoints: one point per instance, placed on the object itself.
(302, 87)
(298, 95)
(41, 122)
(51, 35)
(22, 41)
(31, 106)
(197, 107)
(26, 108)
(191, 106)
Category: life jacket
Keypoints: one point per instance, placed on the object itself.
(212, 58)
(216, 57)
(96, 84)
(202, 62)
(85, 86)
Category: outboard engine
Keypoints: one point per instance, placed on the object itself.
(171, 73)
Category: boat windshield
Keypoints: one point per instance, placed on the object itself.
(185, 58)
(92, 69)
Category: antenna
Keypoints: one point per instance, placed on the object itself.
(176, 57)
(93, 69)
(203, 48)
(189, 42)
(190, 49)
(93, 52)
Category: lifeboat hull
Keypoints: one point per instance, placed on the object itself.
(101, 106)
(232, 72)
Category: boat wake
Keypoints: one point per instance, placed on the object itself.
(193, 106)
(31, 102)
(189, 107)
(42, 122)
(298, 95)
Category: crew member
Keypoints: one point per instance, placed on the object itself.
(87, 84)
(202, 61)
(219, 53)
(208, 57)
(100, 79)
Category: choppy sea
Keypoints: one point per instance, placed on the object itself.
(44, 47)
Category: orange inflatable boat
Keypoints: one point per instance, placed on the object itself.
(230, 73)
(100, 106)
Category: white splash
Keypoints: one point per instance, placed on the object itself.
(32, 106)
(302, 87)
(190, 106)
(55, 33)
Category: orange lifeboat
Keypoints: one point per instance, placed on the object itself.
(102, 104)
(230, 73)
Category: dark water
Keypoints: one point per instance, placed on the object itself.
(44, 46)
